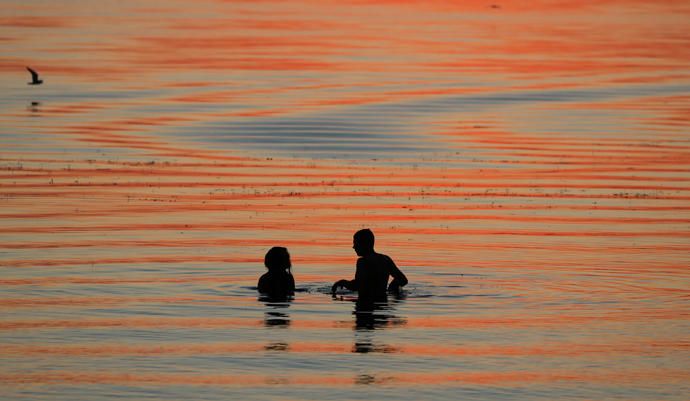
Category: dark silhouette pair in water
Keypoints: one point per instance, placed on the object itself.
(371, 276)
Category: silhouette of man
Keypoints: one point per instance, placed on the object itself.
(373, 271)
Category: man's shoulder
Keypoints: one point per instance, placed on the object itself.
(383, 257)
(374, 259)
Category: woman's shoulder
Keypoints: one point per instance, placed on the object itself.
(265, 276)
(276, 277)
(264, 281)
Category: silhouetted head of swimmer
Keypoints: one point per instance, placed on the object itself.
(363, 242)
(277, 259)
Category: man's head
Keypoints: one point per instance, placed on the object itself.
(363, 242)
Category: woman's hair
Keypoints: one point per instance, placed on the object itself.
(277, 259)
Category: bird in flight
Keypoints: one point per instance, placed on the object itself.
(34, 77)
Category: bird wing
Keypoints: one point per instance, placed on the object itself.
(34, 74)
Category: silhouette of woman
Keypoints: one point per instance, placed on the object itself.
(278, 282)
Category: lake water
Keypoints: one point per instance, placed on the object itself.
(527, 167)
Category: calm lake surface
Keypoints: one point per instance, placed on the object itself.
(526, 165)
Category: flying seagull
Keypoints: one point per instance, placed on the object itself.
(34, 77)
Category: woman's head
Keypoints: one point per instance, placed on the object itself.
(277, 259)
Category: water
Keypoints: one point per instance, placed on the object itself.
(527, 166)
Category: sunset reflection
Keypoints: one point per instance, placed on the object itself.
(527, 164)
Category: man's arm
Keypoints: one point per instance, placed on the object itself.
(349, 284)
(399, 279)
(352, 285)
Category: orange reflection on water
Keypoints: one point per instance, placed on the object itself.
(554, 350)
(526, 164)
(437, 322)
(663, 375)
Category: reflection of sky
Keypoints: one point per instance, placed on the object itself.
(531, 179)
(397, 129)
(333, 79)
(383, 129)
